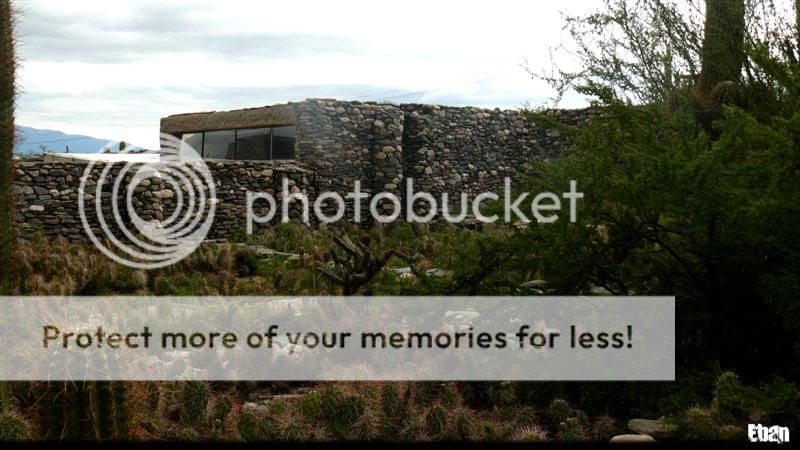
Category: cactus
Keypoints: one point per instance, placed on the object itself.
(462, 425)
(153, 395)
(559, 411)
(533, 433)
(340, 411)
(570, 430)
(311, 406)
(292, 431)
(253, 427)
(367, 427)
(436, 421)
(13, 428)
(489, 431)
(86, 410)
(195, 401)
(7, 98)
(222, 407)
(356, 266)
(392, 411)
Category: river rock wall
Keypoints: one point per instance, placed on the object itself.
(444, 149)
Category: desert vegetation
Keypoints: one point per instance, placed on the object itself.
(691, 177)
(706, 402)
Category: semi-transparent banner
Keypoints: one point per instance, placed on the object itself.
(338, 338)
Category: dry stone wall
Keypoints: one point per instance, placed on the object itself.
(46, 196)
(444, 149)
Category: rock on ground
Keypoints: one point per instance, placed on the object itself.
(632, 439)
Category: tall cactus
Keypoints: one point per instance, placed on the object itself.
(83, 411)
(7, 97)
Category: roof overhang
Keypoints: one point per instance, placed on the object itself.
(265, 116)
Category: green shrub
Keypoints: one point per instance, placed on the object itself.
(730, 399)
(604, 428)
(699, 424)
(246, 262)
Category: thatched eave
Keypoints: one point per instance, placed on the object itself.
(265, 116)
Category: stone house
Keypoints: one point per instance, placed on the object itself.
(319, 145)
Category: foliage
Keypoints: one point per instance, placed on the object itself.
(699, 424)
(604, 428)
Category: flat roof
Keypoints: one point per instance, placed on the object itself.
(102, 157)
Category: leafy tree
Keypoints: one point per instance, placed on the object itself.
(690, 182)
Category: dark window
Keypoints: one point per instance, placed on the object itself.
(283, 142)
(194, 140)
(220, 145)
(252, 144)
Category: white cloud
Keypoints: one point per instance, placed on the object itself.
(112, 68)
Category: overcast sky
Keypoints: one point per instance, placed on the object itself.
(112, 68)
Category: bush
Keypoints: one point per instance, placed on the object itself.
(730, 401)
(604, 428)
(699, 424)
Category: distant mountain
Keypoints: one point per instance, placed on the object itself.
(31, 141)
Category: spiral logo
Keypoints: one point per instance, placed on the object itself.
(148, 210)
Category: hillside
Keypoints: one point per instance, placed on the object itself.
(31, 141)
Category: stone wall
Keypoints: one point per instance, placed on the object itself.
(347, 141)
(472, 150)
(46, 196)
(445, 149)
